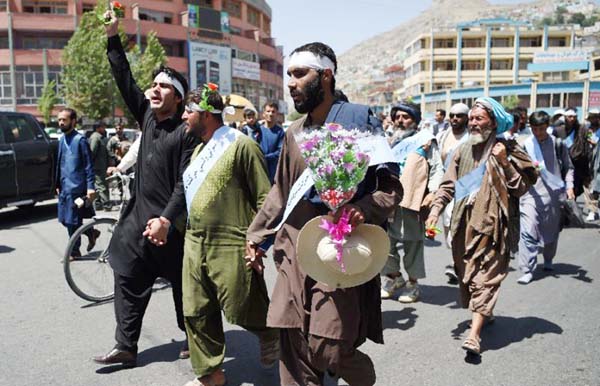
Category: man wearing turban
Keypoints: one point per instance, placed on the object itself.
(486, 177)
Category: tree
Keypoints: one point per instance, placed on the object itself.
(47, 101)
(86, 76)
(577, 18)
(560, 15)
(510, 102)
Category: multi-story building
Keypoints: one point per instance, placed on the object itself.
(34, 32)
(545, 67)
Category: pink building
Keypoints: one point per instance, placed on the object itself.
(34, 32)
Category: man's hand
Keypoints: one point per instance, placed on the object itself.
(570, 194)
(111, 170)
(356, 216)
(431, 221)
(499, 151)
(157, 230)
(254, 256)
(91, 194)
(112, 29)
(428, 200)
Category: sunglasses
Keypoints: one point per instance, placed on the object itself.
(457, 115)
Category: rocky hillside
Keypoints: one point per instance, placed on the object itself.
(364, 63)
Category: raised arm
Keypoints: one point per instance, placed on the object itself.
(132, 95)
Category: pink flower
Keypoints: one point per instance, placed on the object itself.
(349, 167)
(333, 127)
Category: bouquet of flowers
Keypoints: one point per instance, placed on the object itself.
(337, 166)
(117, 8)
(432, 231)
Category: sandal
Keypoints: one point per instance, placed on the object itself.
(471, 345)
(215, 379)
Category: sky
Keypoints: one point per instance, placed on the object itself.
(341, 23)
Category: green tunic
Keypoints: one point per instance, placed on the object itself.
(214, 272)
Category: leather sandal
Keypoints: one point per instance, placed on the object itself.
(471, 345)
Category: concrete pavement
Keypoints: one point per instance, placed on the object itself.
(546, 333)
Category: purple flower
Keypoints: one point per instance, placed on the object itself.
(349, 167)
(362, 157)
(333, 127)
(329, 169)
(308, 145)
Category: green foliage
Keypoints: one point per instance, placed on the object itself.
(47, 101)
(510, 102)
(577, 18)
(87, 81)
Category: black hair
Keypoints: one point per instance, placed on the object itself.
(72, 113)
(520, 110)
(175, 74)
(441, 111)
(320, 49)
(271, 104)
(516, 114)
(340, 96)
(214, 99)
(539, 118)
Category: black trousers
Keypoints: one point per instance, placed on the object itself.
(132, 295)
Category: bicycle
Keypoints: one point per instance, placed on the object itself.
(90, 275)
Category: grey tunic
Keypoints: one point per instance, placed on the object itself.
(540, 206)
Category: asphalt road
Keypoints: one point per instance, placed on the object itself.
(546, 333)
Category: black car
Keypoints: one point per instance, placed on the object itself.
(27, 161)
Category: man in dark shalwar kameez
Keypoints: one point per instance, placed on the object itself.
(146, 244)
(321, 328)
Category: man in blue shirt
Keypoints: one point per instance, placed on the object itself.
(74, 178)
(271, 137)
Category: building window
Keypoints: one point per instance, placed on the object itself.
(253, 17)
(501, 64)
(444, 43)
(30, 83)
(204, 3)
(501, 42)
(3, 42)
(30, 43)
(468, 65)
(35, 6)
(557, 42)
(555, 76)
(156, 16)
(444, 65)
(266, 26)
(87, 7)
(3, 5)
(233, 7)
(442, 86)
(535, 41)
(523, 63)
(473, 42)
(5, 89)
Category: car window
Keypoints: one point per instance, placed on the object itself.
(19, 129)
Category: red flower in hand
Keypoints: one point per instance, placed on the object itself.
(212, 86)
(117, 5)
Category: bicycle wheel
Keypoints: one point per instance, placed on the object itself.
(89, 274)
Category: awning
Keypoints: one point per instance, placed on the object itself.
(558, 67)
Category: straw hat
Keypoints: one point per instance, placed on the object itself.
(365, 253)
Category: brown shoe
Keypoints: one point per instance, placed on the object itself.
(217, 378)
(92, 237)
(117, 356)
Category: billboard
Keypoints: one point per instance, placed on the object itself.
(560, 57)
(210, 63)
(245, 69)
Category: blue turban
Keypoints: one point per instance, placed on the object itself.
(415, 113)
(504, 120)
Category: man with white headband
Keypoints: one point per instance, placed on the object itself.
(225, 185)
(486, 176)
(146, 243)
(320, 327)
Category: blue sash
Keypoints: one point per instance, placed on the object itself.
(534, 150)
(469, 183)
(451, 153)
(570, 139)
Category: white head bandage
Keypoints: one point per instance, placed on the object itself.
(310, 60)
(163, 77)
(229, 110)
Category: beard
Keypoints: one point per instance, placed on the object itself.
(313, 96)
(478, 139)
(65, 129)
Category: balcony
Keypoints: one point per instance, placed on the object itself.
(444, 51)
(503, 51)
(444, 76)
(252, 45)
(269, 77)
(163, 31)
(31, 57)
(40, 22)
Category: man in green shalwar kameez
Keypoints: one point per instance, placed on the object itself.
(225, 185)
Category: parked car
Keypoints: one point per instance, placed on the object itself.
(130, 134)
(27, 161)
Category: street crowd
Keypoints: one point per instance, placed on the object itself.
(210, 199)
